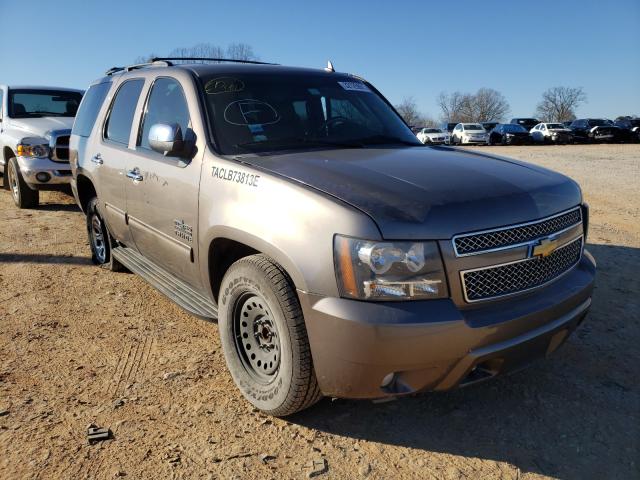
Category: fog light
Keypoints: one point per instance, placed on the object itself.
(43, 177)
(388, 379)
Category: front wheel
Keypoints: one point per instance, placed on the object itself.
(264, 338)
(22, 195)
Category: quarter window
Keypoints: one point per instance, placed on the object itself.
(89, 108)
(166, 105)
(118, 127)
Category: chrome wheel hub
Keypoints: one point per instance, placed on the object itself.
(97, 238)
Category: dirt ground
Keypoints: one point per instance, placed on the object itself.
(80, 345)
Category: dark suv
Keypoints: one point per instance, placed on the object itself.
(630, 128)
(595, 130)
(526, 123)
(339, 256)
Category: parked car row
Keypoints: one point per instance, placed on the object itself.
(525, 131)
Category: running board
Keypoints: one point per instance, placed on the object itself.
(174, 288)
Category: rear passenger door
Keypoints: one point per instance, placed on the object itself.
(111, 154)
(162, 205)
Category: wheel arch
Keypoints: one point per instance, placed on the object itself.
(229, 246)
(86, 191)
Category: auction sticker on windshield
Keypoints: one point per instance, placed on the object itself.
(355, 86)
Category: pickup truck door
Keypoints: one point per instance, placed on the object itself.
(162, 191)
(109, 155)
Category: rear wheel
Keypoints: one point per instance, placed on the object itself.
(264, 338)
(100, 240)
(22, 195)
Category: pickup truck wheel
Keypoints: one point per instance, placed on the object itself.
(264, 337)
(100, 240)
(22, 195)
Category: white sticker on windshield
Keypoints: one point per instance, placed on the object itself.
(355, 86)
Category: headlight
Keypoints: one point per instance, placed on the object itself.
(38, 151)
(369, 270)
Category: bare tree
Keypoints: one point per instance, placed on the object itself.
(241, 51)
(488, 105)
(559, 103)
(452, 106)
(235, 51)
(145, 58)
(485, 105)
(201, 50)
(408, 109)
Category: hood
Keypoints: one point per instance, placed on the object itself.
(38, 127)
(429, 193)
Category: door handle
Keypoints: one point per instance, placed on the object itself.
(97, 159)
(135, 175)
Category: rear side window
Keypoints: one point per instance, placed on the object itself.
(89, 108)
(118, 127)
(166, 105)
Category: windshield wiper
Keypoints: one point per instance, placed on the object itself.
(385, 139)
(295, 142)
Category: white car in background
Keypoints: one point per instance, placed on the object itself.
(551, 133)
(433, 136)
(467, 133)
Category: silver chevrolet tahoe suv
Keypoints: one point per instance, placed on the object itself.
(339, 255)
(35, 124)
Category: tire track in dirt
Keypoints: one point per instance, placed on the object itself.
(132, 364)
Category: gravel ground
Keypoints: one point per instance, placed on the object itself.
(81, 345)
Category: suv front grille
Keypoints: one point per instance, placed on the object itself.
(472, 243)
(515, 277)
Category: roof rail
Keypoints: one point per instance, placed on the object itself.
(153, 63)
(229, 60)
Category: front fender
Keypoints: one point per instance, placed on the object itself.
(292, 223)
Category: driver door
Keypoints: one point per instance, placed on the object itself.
(162, 191)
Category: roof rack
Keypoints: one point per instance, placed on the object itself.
(228, 60)
(153, 63)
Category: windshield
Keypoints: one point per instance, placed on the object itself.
(432, 130)
(25, 103)
(473, 127)
(555, 126)
(513, 128)
(598, 122)
(260, 113)
(528, 121)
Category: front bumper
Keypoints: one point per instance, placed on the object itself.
(435, 345)
(59, 172)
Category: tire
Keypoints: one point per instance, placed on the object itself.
(22, 195)
(503, 141)
(100, 240)
(258, 290)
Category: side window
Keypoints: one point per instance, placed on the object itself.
(118, 126)
(89, 108)
(1, 103)
(167, 105)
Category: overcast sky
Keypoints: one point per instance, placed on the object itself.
(404, 48)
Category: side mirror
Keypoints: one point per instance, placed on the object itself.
(166, 139)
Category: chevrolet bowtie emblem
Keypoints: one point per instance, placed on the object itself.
(544, 248)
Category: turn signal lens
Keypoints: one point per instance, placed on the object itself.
(38, 151)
